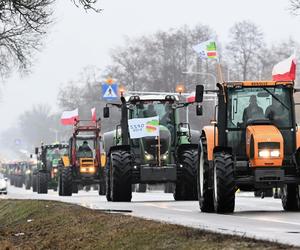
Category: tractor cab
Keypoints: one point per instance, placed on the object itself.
(260, 113)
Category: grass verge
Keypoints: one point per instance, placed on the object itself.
(54, 225)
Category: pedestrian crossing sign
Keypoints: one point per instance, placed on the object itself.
(110, 91)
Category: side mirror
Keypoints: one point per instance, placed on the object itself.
(5, 178)
(199, 93)
(199, 110)
(106, 112)
(36, 151)
(30, 156)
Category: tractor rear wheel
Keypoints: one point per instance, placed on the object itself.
(42, 180)
(34, 182)
(290, 197)
(186, 186)
(66, 182)
(205, 193)
(224, 184)
(107, 180)
(120, 166)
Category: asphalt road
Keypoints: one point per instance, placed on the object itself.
(253, 217)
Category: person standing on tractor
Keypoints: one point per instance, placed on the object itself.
(253, 111)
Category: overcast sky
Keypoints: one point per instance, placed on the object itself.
(78, 39)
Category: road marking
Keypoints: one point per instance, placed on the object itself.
(165, 206)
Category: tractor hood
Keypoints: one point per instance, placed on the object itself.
(264, 145)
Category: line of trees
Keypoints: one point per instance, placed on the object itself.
(156, 63)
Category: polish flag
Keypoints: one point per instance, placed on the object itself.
(69, 117)
(191, 97)
(94, 117)
(285, 70)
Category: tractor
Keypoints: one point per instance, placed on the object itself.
(168, 158)
(45, 175)
(83, 166)
(252, 144)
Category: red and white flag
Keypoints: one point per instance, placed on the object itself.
(94, 117)
(69, 117)
(191, 97)
(285, 70)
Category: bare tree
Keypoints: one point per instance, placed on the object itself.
(244, 49)
(295, 6)
(23, 25)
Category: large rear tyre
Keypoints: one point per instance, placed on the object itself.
(224, 184)
(42, 183)
(34, 182)
(204, 178)
(186, 186)
(65, 187)
(290, 197)
(120, 166)
(107, 180)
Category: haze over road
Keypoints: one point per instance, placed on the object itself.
(253, 217)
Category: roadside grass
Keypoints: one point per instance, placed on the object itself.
(54, 225)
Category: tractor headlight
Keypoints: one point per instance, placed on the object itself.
(28, 171)
(148, 156)
(54, 170)
(264, 153)
(165, 156)
(275, 153)
(268, 149)
(268, 153)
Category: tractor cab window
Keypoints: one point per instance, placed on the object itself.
(249, 104)
(85, 148)
(154, 108)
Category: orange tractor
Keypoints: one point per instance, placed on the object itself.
(84, 164)
(252, 144)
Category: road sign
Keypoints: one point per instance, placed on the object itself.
(110, 91)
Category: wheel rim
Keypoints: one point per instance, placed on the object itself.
(201, 172)
(215, 184)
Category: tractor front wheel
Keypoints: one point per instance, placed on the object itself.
(290, 197)
(224, 184)
(205, 193)
(42, 180)
(65, 182)
(186, 186)
(120, 179)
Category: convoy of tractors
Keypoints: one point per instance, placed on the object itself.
(252, 143)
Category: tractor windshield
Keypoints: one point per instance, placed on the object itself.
(53, 154)
(85, 147)
(154, 108)
(247, 103)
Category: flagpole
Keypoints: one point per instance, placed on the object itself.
(219, 71)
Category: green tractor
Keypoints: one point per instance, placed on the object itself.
(170, 157)
(46, 174)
